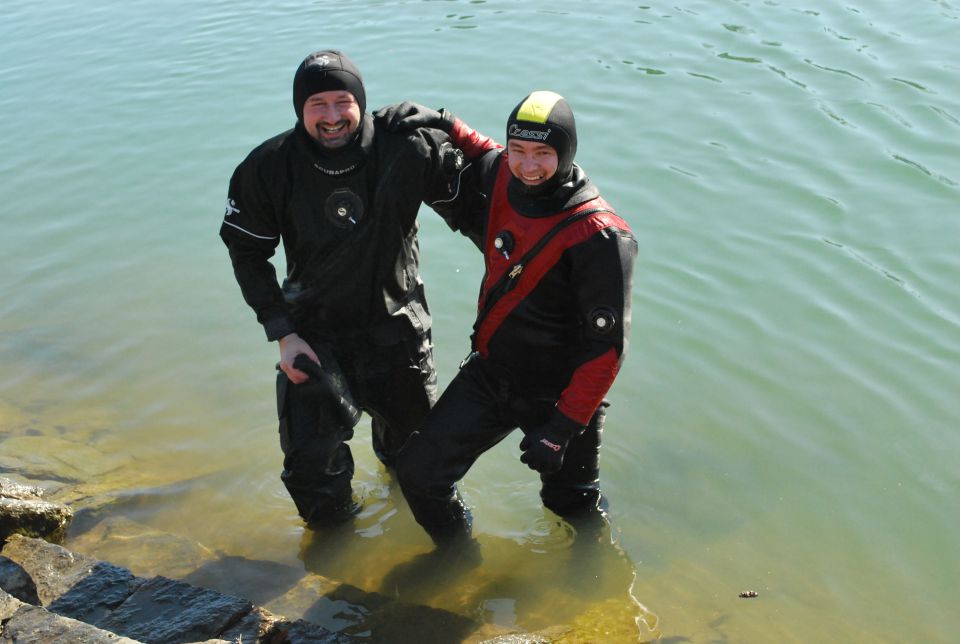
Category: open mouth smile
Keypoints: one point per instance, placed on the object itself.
(333, 129)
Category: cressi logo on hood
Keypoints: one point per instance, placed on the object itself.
(515, 131)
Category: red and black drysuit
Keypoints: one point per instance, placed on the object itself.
(547, 351)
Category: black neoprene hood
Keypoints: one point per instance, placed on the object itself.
(324, 71)
(546, 117)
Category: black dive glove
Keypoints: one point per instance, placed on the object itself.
(407, 116)
(346, 409)
(544, 446)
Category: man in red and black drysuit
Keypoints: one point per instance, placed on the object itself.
(552, 326)
(342, 195)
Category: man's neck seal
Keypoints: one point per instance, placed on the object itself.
(576, 190)
(343, 160)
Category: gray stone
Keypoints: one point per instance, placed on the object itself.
(23, 511)
(96, 595)
(34, 625)
(165, 611)
(8, 606)
(302, 632)
(54, 569)
(252, 627)
(13, 490)
(16, 581)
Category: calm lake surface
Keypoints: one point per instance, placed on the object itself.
(787, 417)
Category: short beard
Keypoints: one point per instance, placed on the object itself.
(334, 144)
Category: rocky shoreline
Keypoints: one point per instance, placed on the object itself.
(49, 594)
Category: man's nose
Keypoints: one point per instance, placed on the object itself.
(330, 113)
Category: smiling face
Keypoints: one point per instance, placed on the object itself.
(531, 162)
(331, 117)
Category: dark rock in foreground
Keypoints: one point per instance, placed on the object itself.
(47, 590)
(32, 624)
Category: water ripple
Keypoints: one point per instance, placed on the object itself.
(913, 84)
(947, 116)
(784, 74)
(914, 164)
(834, 70)
(876, 268)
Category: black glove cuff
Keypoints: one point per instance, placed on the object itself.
(447, 120)
(565, 425)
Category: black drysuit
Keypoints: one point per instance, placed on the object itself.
(348, 223)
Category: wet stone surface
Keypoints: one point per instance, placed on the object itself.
(23, 511)
(163, 611)
(34, 624)
(76, 598)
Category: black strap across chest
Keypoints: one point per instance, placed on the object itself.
(509, 279)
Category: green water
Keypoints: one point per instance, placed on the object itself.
(787, 417)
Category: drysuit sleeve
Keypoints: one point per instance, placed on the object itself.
(602, 276)
(251, 233)
(465, 206)
(473, 144)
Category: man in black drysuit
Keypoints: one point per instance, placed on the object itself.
(342, 195)
(552, 326)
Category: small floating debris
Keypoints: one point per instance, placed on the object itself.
(748, 594)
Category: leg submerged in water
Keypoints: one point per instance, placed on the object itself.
(463, 425)
(429, 486)
(574, 490)
(317, 465)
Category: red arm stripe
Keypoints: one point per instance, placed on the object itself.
(589, 384)
(470, 141)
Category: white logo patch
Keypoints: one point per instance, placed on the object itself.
(231, 208)
(533, 135)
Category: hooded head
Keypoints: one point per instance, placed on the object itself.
(324, 71)
(546, 117)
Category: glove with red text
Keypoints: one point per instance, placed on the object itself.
(544, 446)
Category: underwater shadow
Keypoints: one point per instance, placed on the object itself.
(258, 581)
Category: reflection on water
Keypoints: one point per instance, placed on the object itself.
(576, 578)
